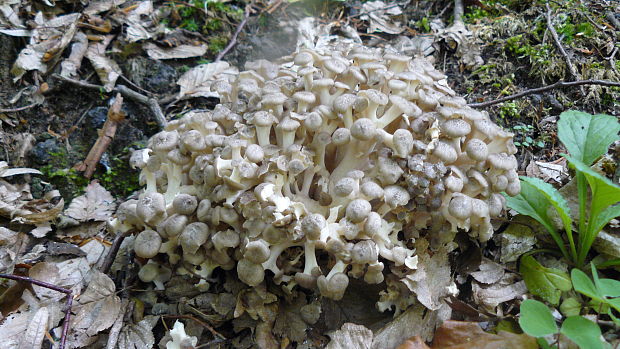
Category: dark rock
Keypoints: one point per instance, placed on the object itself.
(152, 75)
(41, 153)
(95, 118)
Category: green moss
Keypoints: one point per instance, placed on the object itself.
(217, 43)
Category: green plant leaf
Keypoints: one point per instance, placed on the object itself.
(614, 303)
(570, 307)
(536, 319)
(604, 191)
(601, 220)
(609, 287)
(583, 285)
(534, 203)
(587, 136)
(583, 332)
(547, 283)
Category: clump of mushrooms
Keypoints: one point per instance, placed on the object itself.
(333, 154)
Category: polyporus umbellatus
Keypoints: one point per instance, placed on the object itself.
(347, 155)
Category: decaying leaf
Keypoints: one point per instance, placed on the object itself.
(48, 40)
(489, 273)
(138, 336)
(351, 336)
(49, 273)
(506, 289)
(96, 204)
(517, 239)
(468, 335)
(5, 171)
(71, 65)
(33, 336)
(107, 69)
(13, 327)
(137, 26)
(289, 323)
(413, 343)
(416, 320)
(381, 17)
(178, 52)
(431, 280)
(98, 307)
(8, 249)
(197, 81)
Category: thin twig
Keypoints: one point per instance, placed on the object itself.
(68, 292)
(559, 84)
(558, 44)
(111, 256)
(13, 110)
(152, 103)
(233, 39)
(108, 131)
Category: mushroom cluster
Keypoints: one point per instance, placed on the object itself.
(323, 167)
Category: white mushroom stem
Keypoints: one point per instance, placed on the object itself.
(262, 134)
(310, 257)
(173, 175)
(339, 267)
(390, 115)
(276, 251)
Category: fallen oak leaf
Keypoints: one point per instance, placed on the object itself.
(465, 335)
(97, 307)
(96, 204)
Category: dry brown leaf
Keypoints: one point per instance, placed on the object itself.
(12, 329)
(49, 273)
(48, 40)
(468, 335)
(107, 69)
(197, 81)
(506, 289)
(350, 336)
(178, 52)
(431, 280)
(35, 332)
(97, 307)
(381, 17)
(96, 204)
(489, 272)
(414, 343)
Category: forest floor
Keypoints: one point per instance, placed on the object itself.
(50, 124)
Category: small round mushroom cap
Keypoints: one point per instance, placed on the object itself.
(288, 125)
(225, 239)
(357, 210)
(151, 208)
(455, 128)
(148, 272)
(263, 118)
(147, 244)
(344, 102)
(395, 195)
(139, 158)
(184, 204)
(453, 184)
(203, 212)
(333, 288)
(257, 251)
(303, 58)
(406, 106)
(195, 258)
(254, 153)
(372, 224)
(502, 161)
(193, 140)
(176, 156)
(499, 183)
(372, 190)
(307, 281)
(335, 66)
(175, 224)
(193, 236)
(313, 121)
(445, 153)
(304, 97)
(364, 252)
(496, 204)
(344, 186)
(341, 136)
(363, 129)
(403, 142)
(312, 225)
(460, 207)
(513, 188)
(476, 149)
(250, 273)
(165, 141)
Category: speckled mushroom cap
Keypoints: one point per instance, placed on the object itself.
(330, 153)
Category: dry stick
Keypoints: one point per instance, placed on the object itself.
(13, 110)
(115, 115)
(111, 256)
(233, 40)
(152, 103)
(558, 44)
(558, 84)
(68, 292)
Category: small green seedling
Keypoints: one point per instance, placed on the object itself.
(586, 137)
